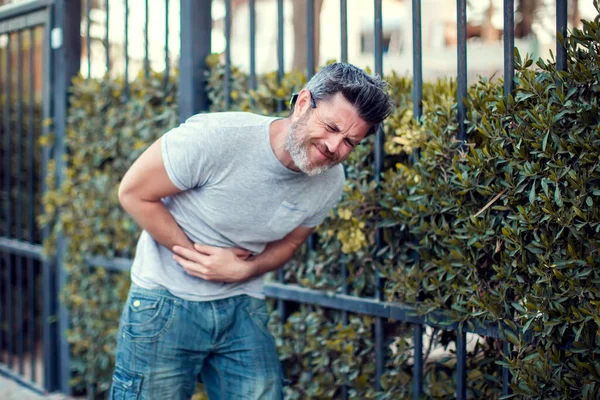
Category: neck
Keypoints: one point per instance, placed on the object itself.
(279, 131)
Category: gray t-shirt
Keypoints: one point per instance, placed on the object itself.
(236, 193)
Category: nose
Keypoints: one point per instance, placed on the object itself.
(333, 142)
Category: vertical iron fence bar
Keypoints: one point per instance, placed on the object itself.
(509, 72)
(281, 305)
(417, 111)
(417, 59)
(68, 61)
(252, 11)
(344, 29)
(509, 46)
(30, 205)
(280, 66)
(310, 71)
(195, 17)
(49, 295)
(310, 40)
(9, 315)
(418, 366)
(344, 317)
(506, 348)
(561, 28)
(88, 38)
(377, 33)
(461, 11)
(6, 188)
(461, 364)
(167, 62)
(7, 182)
(345, 290)
(91, 391)
(146, 56)
(227, 92)
(19, 209)
(379, 155)
(106, 41)
(126, 79)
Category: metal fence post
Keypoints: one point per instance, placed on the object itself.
(561, 28)
(195, 47)
(66, 45)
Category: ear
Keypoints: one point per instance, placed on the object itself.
(302, 103)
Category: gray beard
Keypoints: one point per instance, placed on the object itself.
(298, 150)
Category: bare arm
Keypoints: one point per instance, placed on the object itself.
(216, 264)
(277, 253)
(140, 194)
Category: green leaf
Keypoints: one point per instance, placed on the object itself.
(512, 338)
(557, 197)
(519, 307)
(545, 186)
(545, 141)
(532, 194)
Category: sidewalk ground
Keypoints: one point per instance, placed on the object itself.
(11, 390)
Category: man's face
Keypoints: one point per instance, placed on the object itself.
(325, 135)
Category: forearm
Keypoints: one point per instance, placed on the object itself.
(275, 255)
(155, 218)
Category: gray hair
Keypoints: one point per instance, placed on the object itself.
(365, 92)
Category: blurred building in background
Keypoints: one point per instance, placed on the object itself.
(534, 28)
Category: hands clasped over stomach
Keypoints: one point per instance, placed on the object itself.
(214, 263)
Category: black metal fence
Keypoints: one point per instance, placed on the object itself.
(58, 22)
(28, 338)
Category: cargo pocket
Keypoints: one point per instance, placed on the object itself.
(286, 218)
(126, 385)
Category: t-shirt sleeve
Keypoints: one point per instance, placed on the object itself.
(191, 152)
(335, 196)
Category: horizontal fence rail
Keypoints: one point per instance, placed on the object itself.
(344, 302)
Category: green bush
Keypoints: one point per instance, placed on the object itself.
(507, 227)
(501, 228)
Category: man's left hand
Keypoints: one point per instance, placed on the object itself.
(213, 263)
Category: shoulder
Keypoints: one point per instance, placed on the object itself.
(227, 120)
(219, 130)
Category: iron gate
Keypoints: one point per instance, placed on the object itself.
(29, 337)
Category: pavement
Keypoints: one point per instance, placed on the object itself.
(11, 390)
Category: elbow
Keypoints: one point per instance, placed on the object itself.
(124, 197)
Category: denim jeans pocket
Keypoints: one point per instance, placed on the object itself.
(147, 317)
(125, 385)
(259, 314)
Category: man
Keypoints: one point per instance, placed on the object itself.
(223, 199)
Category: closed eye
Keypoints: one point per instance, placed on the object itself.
(350, 143)
(335, 129)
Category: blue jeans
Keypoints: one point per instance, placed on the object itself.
(165, 342)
